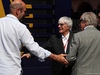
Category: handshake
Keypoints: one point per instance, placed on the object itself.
(59, 58)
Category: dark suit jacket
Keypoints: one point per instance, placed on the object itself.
(55, 45)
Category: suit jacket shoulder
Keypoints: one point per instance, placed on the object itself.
(54, 44)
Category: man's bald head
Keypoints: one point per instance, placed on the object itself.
(17, 6)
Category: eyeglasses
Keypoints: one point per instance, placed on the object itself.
(82, 21)
(60, 24)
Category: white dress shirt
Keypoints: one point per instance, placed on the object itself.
(65, 41)
(13, 35)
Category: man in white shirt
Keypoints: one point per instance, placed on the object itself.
(13, 34)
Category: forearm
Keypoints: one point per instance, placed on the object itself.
(60, 58)
(52, 57)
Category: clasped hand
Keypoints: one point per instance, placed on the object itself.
(61, 59)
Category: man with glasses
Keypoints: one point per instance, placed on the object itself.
(85, 47)
(59, 44)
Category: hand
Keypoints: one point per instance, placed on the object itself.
(26, 55)
(61, 59)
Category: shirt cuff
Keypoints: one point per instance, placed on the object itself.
(47, 54)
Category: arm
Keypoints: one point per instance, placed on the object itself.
(34, 48)
(71, 57)
(47, 45)
(59, 58)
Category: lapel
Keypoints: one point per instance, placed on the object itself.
(69, 41)
(60, 43)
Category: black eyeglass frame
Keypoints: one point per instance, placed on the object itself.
(60, 24)
(82, 21)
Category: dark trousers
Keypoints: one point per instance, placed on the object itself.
(66, 71)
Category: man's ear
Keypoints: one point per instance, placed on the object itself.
(86, 23)
(68, 27)
(17, 11)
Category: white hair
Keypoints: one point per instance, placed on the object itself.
(90, 17)
(66, 20)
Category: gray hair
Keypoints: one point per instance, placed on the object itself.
(66, 20)
(90, 17)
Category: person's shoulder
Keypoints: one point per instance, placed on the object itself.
(52, 36)
(56, 35)
(19, 24)
(22, 24)
(2, 18)
(78, 33)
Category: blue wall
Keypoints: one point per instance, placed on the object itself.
(62, 8)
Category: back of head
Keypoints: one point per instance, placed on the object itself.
(66, 20)
(16, 4)
(90, 18)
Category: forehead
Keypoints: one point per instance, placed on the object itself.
(61, 20)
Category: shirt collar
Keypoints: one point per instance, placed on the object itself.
(65, 36)
(88, 26)
(12, 16)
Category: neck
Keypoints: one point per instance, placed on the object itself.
(64, 34)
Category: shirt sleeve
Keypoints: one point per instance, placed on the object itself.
(28, 40)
